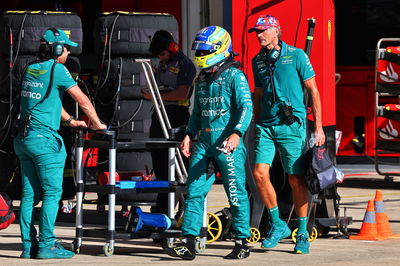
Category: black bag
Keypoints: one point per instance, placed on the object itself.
(27, 29)
(320, 172)
(130, 33)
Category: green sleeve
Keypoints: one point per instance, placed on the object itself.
(242, 99)
(195, 118)
(62, 77)
(303, 66)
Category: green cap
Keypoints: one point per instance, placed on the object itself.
(58, 36)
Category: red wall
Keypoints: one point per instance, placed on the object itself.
(245, 13)
(355, 98)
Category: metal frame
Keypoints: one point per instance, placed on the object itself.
(111, 188)
(161, 113)
(175, 163)
(378, 56)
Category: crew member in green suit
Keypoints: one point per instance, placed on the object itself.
(39, 147)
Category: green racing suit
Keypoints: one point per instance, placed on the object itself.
(222, 106)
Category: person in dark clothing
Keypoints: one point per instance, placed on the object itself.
(174, 75)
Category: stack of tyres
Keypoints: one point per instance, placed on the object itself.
(120, 101)
(27, 27)
(129, 34)
(120, 38)
(20, 34)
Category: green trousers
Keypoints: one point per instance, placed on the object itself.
(42, 158)
(199, 183)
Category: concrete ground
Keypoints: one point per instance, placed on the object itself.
(359, 187)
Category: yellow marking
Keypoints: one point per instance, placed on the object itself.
(67, 32)
(174, 69)
(35, 12)
(329, 29)
(134, 13)
(369, 195)
(225, 206)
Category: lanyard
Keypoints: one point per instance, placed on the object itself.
(272, 68)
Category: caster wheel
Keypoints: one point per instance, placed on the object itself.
(200, 245)
(255, 235)
(167, 244)
(214, 227)
(107, 250)
(344, 231)
(75, 248)
(323, 231)
(389, 178)
(311, 237)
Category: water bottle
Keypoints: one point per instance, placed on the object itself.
(339, 175)
(312, 140)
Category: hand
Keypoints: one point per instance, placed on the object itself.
(185, 146)
(232, 142)
(319, 137)
(100, 126)
(77, 123)
(146, 94)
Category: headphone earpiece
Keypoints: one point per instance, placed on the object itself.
(58, 48)
(173, 47)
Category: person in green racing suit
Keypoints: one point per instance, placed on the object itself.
(222, 113)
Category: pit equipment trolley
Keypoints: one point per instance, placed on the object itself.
(111, 234)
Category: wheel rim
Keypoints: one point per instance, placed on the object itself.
(214, 227)
(311, 238)
(255, 235)
(313, 235)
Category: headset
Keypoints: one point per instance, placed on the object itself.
(273, 54)
(173, 47)
(163, 40)
(56, 48)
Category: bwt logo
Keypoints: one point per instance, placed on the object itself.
(32, 84)
(29, 94)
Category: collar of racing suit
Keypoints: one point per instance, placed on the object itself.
(216, 71)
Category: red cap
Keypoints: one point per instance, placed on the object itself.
(265, 22)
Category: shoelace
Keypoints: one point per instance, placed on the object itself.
(302, 237)
(58, 245)
(271, 230)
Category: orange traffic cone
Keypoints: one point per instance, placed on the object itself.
(368, 229)
(382, 220)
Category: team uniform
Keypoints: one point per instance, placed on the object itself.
(272, 131)
(221, 115)
(41, 153)
(221, 107)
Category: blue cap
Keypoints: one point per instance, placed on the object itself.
(61, 37)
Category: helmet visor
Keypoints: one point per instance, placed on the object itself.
(205, 46)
